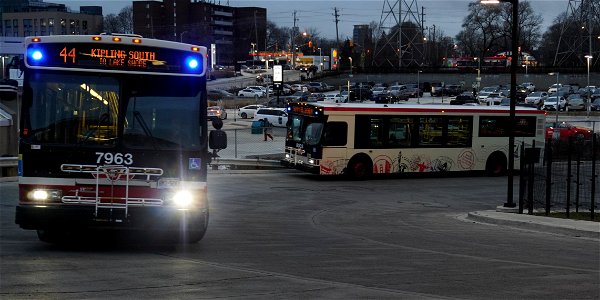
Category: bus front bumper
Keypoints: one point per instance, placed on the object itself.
(137, 218)
(300, 165)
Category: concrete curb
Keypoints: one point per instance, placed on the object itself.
(569, 227)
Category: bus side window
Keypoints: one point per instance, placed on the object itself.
(399, 131)
(430, 131)
(335, 134)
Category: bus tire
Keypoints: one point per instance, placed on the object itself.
(48, 236)
(195, 230)
(360, 167)
(496, 164)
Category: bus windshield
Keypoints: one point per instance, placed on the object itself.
(68, 109)
(88, 110)
(305, 130)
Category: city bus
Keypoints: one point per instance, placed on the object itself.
(113, 135)
(361, 140)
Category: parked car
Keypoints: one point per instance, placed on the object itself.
(284, 90)
(449, 90)
(379, 90)
(216, 112)
(299, 87)
(249, 111)
(336, 98)
(494, 98)
(575, 102)
(398, 92)
(595, 105)
(217, 94)
(536, 98)
(464, 98)
(297, 97)
(564, 130)
(529, 86)
(261, 88)
(326, 87)
(553, 88)
(360, 93)
(314, 97)
(316, 87)
(248, 92)
(554, 103)
(276, 116)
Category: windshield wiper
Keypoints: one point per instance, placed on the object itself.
(138, 116)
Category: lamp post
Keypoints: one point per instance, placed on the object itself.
(321, 61)
(557, 97)
(588, 58)
(253, 56)
(513, 95)
(478, 79)
(181, 36)
(419, 87)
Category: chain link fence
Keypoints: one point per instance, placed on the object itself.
(252, 143)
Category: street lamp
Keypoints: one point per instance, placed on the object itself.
(588, 58)
(513, 95)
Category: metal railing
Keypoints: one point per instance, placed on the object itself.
(564, 179)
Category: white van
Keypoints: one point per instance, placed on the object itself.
(276, 116)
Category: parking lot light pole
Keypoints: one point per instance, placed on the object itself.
(588, 101)
(419, 87)
(513, 95)
(557, 97)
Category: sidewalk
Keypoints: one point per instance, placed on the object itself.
(577, 228)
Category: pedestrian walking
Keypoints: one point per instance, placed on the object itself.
(267, 129)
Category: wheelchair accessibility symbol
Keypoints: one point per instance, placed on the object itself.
(194, 164)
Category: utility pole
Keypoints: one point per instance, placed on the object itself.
(293, 42)
(337, 36)
(425, 60)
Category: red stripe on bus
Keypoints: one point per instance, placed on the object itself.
(429, 110)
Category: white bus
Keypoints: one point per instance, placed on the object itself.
(114, 135)
(360, 140)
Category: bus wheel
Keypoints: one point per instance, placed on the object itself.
(496, 164)
(359, 168)
(48, 235)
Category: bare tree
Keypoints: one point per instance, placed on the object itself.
(125, 17)
(121, 23)
(487, 29)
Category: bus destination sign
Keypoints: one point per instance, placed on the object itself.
(113, 57)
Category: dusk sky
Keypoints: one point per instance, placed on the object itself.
(446, 15)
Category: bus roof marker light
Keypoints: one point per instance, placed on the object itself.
(116, 39)
(137, 41)
(96, 38)
(196, 49)
(36, 40)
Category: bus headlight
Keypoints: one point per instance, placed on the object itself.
(183, 199)
(311, 161)
(44, 195)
